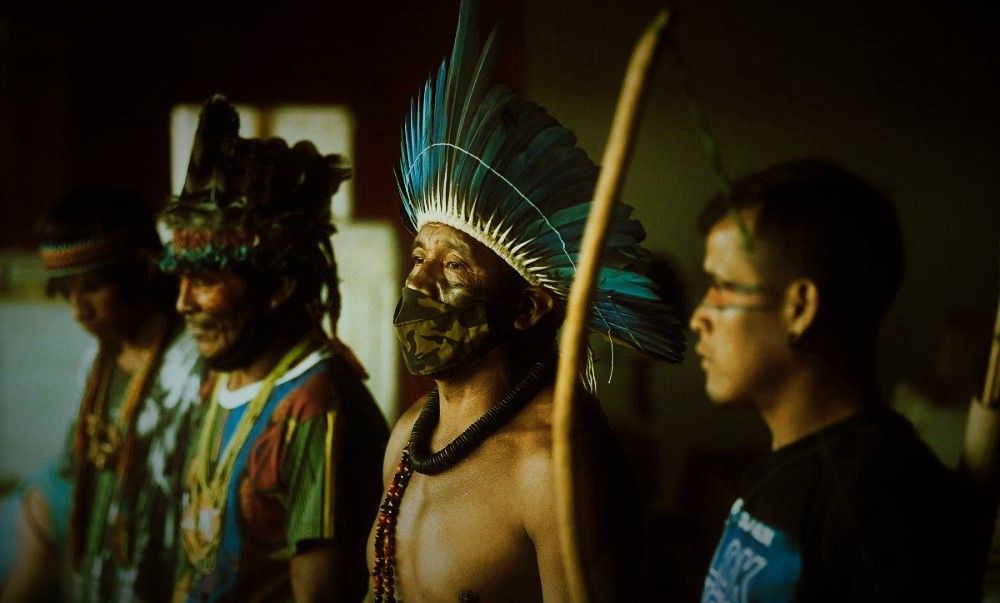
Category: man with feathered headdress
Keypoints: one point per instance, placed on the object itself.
(498, 194)
(283, 474)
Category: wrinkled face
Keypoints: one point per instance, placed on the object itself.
(743, 342)
(216, 307)
(456, 269)
(97, 305)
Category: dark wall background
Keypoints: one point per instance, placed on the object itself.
(87, 88)
(904, 95)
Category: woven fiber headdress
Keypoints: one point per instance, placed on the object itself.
(502, 170)
(95, 227)
(253, 203)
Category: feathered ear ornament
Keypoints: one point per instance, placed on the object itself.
(501, 169)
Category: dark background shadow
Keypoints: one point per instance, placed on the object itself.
(903, 95)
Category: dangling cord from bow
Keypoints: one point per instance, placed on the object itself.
(708, 140)
(616, 155)
(980, 460)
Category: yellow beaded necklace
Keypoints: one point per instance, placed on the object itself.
(204, 502)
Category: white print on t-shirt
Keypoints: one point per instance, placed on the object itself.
(754, 563)
(761, 532)
(730, 581)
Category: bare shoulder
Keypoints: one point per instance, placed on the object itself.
(528, 442)
(608, 507)
(525, 448)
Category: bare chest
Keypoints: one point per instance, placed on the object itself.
(460, 534)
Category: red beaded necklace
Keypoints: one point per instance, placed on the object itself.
(384, 573)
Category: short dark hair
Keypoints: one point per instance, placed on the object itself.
(827, 224)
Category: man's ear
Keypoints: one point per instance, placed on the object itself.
(535, 303)
(801, 306)
(283, 291)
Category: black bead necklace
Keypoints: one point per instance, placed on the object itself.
(421, 458)
(383, 574)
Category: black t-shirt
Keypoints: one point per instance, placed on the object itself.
(859, 511)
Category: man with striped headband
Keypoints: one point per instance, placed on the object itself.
(99, 246)
(282, 479)
(498, 194)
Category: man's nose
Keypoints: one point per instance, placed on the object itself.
(185, 301)
(701, 322)
(422, 279)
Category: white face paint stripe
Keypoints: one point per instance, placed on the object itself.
(740, 307)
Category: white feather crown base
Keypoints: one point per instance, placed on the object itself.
(514, 260)
(441, 204)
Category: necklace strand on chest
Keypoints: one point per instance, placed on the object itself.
(417, 457)
(105, 435)
(100, 443)
(205, 500)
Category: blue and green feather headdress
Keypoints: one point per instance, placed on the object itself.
(501, 169)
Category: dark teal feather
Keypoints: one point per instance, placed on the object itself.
(474, 153)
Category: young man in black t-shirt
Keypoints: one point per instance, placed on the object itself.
(850, 505)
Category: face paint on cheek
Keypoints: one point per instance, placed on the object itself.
(463, 297)
(737, 297)
(730, 309)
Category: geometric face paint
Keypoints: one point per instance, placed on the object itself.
(742, 335)
(731, 295)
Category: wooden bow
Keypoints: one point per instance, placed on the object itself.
(574, 333)
(981, 450)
